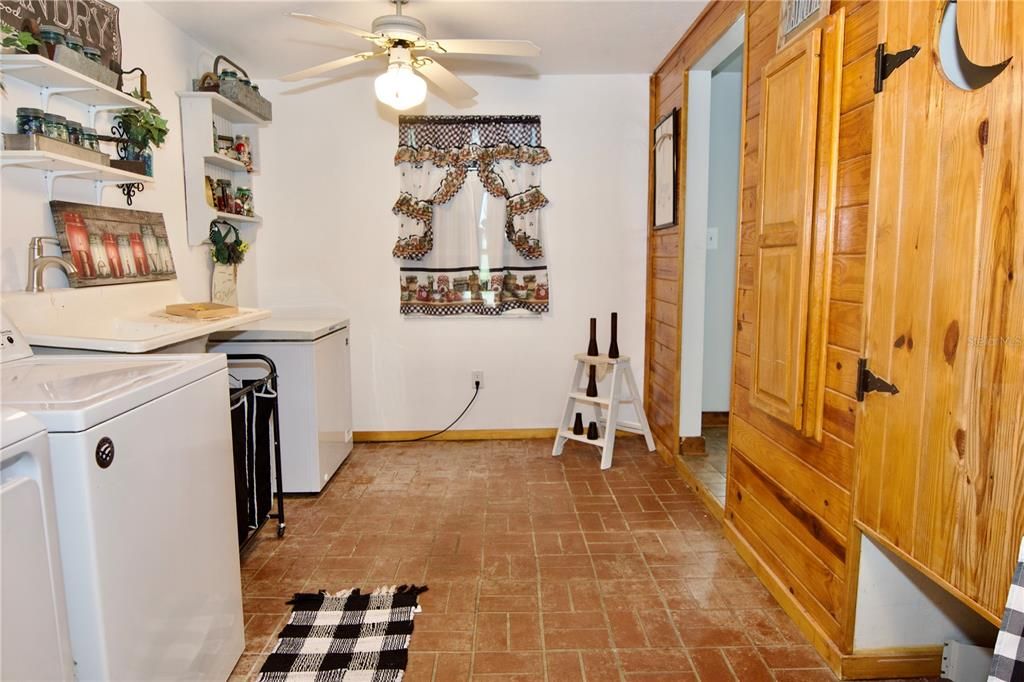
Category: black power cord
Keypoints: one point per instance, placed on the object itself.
(476, 392)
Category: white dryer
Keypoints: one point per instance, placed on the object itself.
(144, 491)
(34, 641)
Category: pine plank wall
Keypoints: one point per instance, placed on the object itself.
(789, 501)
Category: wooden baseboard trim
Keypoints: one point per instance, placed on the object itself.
(692, 445)
(466, 434)
(803, 621)
(879, 664)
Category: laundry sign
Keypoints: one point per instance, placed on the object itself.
(796, 16)
(96, 22)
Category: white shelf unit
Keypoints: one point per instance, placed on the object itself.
(55, 80)
(200, 111)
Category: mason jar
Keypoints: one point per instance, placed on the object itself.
(74, 132)
(55, 126)
(93, 55)
(73, 42)
(90, 139)
(30, 121)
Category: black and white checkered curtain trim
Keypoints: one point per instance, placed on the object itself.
(1008, 658)
(347, 636)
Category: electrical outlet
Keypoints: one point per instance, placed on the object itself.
(478, 376)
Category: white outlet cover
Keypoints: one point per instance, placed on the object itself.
(712, 239)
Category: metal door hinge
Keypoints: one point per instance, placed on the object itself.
(867, 382)
(886, 63)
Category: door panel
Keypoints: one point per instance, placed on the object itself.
(788, 140)
(941, 464)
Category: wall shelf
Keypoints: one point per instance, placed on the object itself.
(57, 166)
(235, 218)
(201, 113)
(54, 79)
(221, 161)
(225, 108)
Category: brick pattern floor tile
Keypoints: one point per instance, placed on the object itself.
(539, 568)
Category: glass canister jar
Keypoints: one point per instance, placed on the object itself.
(30, 121)
(74, 132)
(93, 55)
(243, 201)
(51, 36)
(74, 42)
(228, 75)
(55, 126)
(223, 197)
(90, 139)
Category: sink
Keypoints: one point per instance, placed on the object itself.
(127, 318)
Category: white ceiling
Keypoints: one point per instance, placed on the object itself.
(576, 36)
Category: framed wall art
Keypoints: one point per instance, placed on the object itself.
(796, 16)
(112, 245)
(666, 171)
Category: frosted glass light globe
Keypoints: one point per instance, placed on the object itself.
(400, 88)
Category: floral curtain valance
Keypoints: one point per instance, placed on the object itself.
(469, 214)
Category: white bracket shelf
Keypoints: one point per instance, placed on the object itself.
(57, 166)
(54, 79)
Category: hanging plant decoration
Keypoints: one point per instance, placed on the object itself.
(228, 246)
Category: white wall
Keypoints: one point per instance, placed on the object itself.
(329, 183)
(720, 269)
(898, 606)
(170, 58)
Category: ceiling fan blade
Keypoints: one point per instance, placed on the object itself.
(452, 86)
(512, 48)
(335, 24)
(331, 66)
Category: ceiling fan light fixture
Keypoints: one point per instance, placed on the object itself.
(399, 87)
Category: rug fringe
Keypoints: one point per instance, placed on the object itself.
(310, 597)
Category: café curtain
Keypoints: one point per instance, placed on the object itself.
(469, 210)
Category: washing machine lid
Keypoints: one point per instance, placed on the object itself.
(282, 327)
(71, 393)
(16, 425)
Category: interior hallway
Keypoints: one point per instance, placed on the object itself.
(539, 568)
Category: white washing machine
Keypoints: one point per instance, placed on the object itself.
(144, 491)
(34, 641)
(312, 357)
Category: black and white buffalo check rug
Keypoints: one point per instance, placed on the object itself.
(346, 636)
(1008, 658)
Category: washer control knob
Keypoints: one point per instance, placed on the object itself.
(105, 452)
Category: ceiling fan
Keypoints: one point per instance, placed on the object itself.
(402, 38)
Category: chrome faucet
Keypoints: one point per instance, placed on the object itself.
(37, 263)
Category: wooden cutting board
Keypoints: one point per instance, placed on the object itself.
(201, 311)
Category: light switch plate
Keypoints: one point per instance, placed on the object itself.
(712, 239)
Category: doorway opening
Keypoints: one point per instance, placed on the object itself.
(714, 124)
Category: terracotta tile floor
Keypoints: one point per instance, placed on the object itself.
(539, 568)
(709, 468)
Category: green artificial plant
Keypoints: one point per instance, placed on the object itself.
(224, 251)
(143, 127)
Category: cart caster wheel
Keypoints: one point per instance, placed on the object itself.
(280, 531)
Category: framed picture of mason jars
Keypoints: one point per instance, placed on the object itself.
(666, 171)
(112, 245)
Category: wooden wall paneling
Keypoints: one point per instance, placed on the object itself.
(665, 247)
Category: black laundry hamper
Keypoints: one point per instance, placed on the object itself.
(256, 442)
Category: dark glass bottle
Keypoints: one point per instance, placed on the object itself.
(613, 348)
(592, 348)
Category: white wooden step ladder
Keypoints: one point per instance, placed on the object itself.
(622, 373)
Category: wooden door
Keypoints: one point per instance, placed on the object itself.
(789, 134)
(940, 472)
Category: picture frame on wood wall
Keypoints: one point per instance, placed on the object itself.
(665, 180)
(797, 16)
